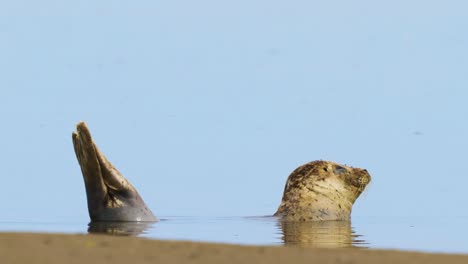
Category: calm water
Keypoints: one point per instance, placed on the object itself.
(207, 106)
(406, 234)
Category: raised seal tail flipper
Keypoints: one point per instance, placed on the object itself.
(110, 196)
(87, 158)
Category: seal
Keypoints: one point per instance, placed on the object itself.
(110, 196)
(322, 190)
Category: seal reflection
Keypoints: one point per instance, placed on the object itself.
(319, 234)
(119, 228)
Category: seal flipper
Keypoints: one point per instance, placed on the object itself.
(110, 196)
(90, 168)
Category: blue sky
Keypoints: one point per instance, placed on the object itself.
(207, 107)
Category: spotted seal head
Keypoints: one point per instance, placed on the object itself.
(110, 196)
(322, 190)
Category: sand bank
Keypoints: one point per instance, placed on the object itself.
(58, 248)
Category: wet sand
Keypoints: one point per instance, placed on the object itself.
(59, 248)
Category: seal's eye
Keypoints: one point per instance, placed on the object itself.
(339, 170)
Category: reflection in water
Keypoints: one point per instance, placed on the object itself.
(119, 228)
(320, 234)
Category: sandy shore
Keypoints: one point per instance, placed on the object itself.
(57, 248)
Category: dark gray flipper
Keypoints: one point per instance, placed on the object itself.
(110, 196)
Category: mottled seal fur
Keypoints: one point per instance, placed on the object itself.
(321, 190)
(110, 196)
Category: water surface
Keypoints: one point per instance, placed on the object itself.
(404, 234)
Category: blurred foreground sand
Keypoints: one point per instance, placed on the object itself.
(58, 248)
